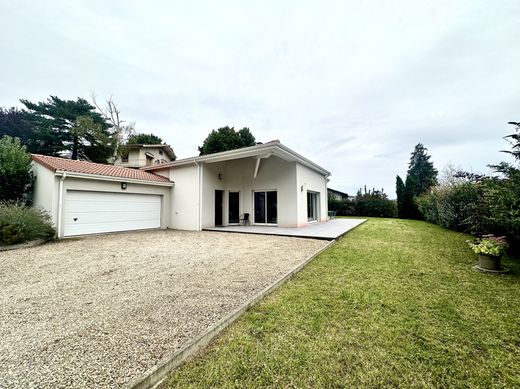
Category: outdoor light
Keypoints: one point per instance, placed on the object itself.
(301, 188)
(123, 185)
(220, 176)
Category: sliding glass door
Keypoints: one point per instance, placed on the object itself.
(266, 207)
(312, 206)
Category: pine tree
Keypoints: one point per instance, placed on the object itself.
(420, 178)
(422, 174)
(70, 127)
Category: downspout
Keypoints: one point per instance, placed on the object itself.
(60, 204)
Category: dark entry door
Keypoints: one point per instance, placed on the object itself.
(234, 207)
(219, 206)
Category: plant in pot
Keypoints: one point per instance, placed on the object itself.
(490, 249)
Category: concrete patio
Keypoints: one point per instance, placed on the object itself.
(333, 229)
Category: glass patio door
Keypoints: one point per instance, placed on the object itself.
(312, 206)
(266, 207)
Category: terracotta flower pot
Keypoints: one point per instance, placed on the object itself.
(489, 262)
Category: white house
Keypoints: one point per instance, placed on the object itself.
(141, 155)
(273, 184)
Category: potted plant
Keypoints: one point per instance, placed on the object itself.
(490, 249)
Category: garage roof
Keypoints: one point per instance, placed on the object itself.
(57, 164)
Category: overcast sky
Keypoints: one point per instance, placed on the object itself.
(352, 85)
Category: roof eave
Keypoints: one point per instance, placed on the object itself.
(111, 178)
(243, 153)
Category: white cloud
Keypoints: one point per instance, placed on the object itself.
(352, 85)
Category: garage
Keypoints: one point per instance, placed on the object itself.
(85, 198)
(89, 212)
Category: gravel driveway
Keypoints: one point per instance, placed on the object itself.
(99, 311)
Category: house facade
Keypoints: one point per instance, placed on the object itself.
(337, 195)
(271, 183)
(141, 155)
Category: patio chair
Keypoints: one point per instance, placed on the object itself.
(244, 219)
(332, 215)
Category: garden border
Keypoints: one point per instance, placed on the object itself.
(26, 245)
(154, 376)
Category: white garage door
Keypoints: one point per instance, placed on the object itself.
(97, 212)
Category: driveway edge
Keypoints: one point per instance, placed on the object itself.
(157, 373)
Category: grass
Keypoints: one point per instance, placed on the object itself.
(394, 303)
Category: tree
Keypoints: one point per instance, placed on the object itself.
(401, 200)
(15, 169)
(144, 139)
(69, 127)
(121, 129)
(226, 138)
(514, 139)
(420, 178)
(13, 123)
(423, 175)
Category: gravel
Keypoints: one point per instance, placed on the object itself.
(100, 311)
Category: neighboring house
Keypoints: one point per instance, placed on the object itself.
(140, 155)
(336, 194)
(272, 183)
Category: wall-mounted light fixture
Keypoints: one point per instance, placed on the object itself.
(124, 185)
(301, 188)
(220, 176)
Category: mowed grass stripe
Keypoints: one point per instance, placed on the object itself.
(394, 303)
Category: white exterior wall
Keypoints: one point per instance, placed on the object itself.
(237, 176)
(315, 182)
(45, 191)
(184, 213)
(137, 157)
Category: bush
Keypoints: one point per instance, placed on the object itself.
(458, 207)
(342, 207)
(373, 203)
(488, 205)
(375, 207)
(502, 198)
(19, 223)
(15, 169)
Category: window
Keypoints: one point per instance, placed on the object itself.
(266, 207)
(312, 206)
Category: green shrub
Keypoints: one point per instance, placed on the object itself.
(15, 169)
(19, 223)
(375, 207)
(502, 199)
(459, 207)
(487, 205)
(342, 207)
(372, 203)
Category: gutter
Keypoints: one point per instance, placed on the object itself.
(116, 179)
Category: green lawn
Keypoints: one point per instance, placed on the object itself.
(394, 303)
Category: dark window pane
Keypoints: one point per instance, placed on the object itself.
(234, 207)
(272, 207)
(312, 206)
(259, 207)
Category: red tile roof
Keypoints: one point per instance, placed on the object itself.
(99, 169)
